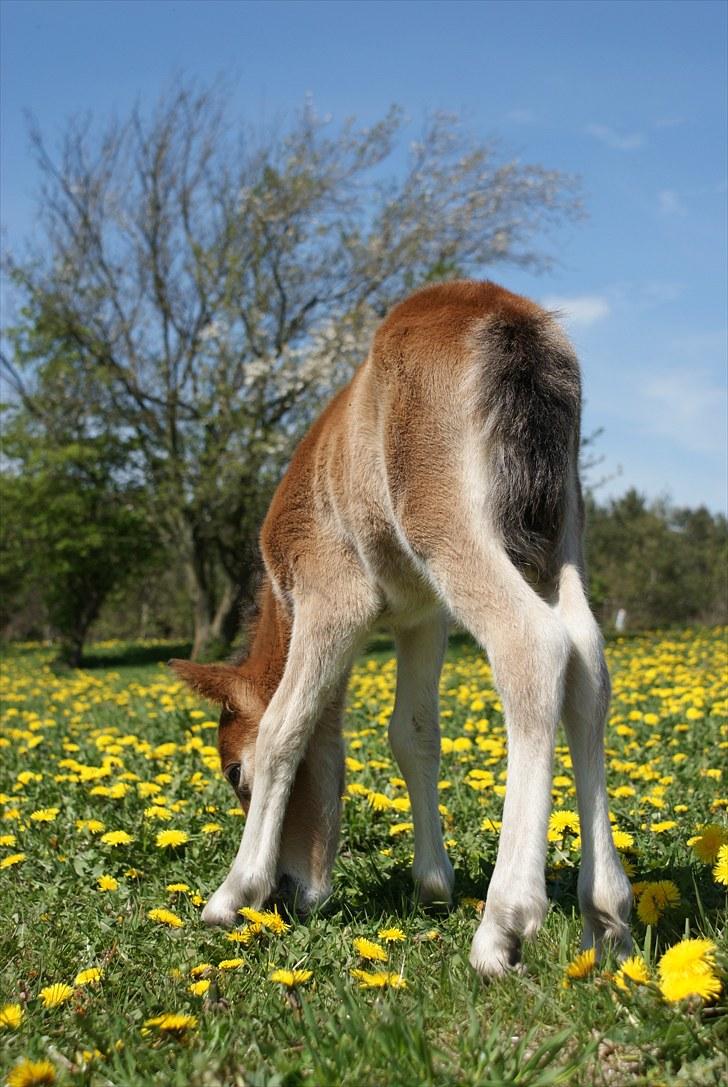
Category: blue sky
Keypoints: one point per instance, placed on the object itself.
(631, 96)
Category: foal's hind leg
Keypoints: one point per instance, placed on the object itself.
(605, 894)
(528, 649)
(415, 737)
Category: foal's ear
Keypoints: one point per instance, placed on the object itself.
(217, 682)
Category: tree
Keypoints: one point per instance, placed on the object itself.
(75, 524)
(215, 285)
(662, 565)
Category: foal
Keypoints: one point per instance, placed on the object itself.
(440, 484)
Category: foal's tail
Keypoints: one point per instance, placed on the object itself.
(531, 403)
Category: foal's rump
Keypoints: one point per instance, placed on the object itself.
(479, 400)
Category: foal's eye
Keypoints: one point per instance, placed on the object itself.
(233, 774)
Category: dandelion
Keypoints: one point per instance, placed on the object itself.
(654, 899)
(165, 917)
(633, 969)
(54, 995)
(170, 1023)
(200, 969)
(199, 988)
(107, 883)
(211, 828)
(177, 888)
(367, 949)
(230, 964)
(11, 1016)
(701, 983)
(720, 871)
(116, 837)
(93, 826)
(89, 977)
(686, 956)
(44, 815)
(379, 979)
(391, 935)
(622, 840)
(291, 978)
(171, 839)
(708, 843)
(244, 935)
(12, 859)
(7, 839)
(31, 1074)
(581, 966)
(272, 920)
(256, 916)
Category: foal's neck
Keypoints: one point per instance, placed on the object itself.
(270, 634)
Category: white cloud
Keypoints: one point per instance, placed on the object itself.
(689, 406)
(669, 203)
(580, 311)
(521, 116)
(618, 141)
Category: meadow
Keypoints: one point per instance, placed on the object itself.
(115, 825)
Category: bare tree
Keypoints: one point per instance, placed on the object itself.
(215, 285)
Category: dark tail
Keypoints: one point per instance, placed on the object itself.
(532, 408)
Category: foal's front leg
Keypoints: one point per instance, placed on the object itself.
(318, 657)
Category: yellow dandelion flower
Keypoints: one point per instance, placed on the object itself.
(116, 837)
(170, 1023)
(165, 917)
(400, 828)
(7, 839)
(661, 827)
(177, 888)
(244, 935)
(379, 979)
(582, 965)
(633, 969)
(12, 859)
(93, 826)
(256, 916)
(391, 935)
(211, 828)
(171, 839)
(200, 969)
(367, 949)
(720, 871)
(11, 1016)
(89, 977)
(700, 983)
(622, 839)
(31, 1074)
(107, 883)
(230, 964)
(53, 995)
(272, 920)
(707, 844)
(686, 956)
(44, 815)
(199, 988)
(291, 978)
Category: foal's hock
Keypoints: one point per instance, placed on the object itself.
(441, 483)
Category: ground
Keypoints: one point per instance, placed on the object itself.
(116, 826)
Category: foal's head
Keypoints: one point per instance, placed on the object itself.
(241, 709)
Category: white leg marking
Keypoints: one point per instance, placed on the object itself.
(414, 734)
(317, 659)
(605, 894)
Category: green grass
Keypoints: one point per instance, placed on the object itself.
(445, 1027)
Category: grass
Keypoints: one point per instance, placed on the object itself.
(118, 743)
